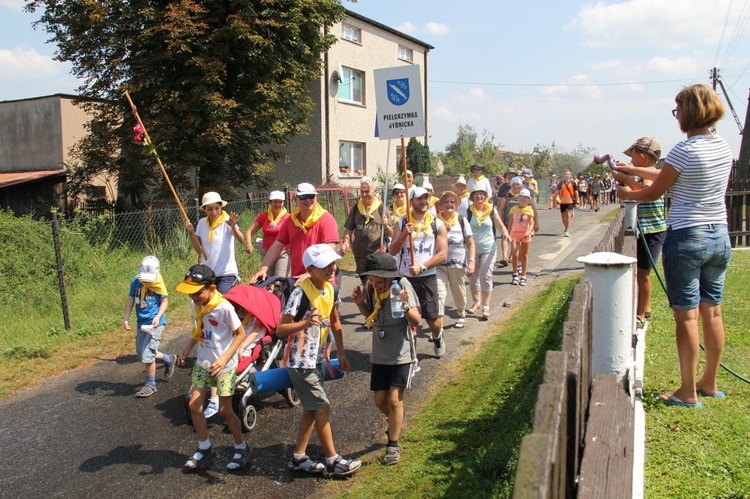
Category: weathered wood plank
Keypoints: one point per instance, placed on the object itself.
(607, 462)
(534, 472)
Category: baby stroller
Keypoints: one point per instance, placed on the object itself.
(265, 305)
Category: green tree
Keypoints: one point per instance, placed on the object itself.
(418, 157)
(460, 154)
(221, 86)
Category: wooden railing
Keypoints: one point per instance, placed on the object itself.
(581, 444)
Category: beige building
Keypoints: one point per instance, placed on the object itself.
(341, 146)
(36, 137)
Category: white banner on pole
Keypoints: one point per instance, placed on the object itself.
(398, 98)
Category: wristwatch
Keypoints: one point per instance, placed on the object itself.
(422, 269)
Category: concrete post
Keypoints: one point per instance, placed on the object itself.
(631, 214)
(613, 314)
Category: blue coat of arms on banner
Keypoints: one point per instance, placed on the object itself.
(398, 91)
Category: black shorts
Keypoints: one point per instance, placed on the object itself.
(654, 243)
(383, 377)
(566, 207)
(426, 289)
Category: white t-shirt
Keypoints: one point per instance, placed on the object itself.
(704, 163)
(484, 183)
(424, 249)
(457, 235)
(220, 251)
(217, 334)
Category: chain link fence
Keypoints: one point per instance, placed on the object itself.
(70, 278)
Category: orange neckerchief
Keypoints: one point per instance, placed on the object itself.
(487, 211)
(273, 222)
(368, 213)
(212, 226)
(452, 221)
(317, 212)
(201, 311)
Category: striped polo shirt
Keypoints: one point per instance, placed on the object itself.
(703, 164)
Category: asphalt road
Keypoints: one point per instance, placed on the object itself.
(84, 434)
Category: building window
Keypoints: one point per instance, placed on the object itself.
(351, 159)
(405, 54)
(351, 33)
(350, 88)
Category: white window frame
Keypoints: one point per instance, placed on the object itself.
(351, 88)
(351, 33)
(351, 158)
(405, 54)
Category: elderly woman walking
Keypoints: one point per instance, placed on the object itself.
(485, 223)
(269, 222)
(460, 260)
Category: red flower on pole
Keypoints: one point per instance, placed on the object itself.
(140, 133)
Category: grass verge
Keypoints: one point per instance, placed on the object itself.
(703, 452)
(464, 442)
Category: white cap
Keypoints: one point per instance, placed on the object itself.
(400, 187)
(478, 188)
(319, 255)
(525, 192)
(461, 180)
(276, 195)
(304, 188)
(211, 198)
(428, 186)
(418, 192)
(149, 269)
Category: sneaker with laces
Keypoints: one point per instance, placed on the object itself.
(305, 464)
(341, 467)
(169, 367)
(439, 345)
(212, 409)
(240, 458)
(461, 321)
(200, 459)
(416, 367)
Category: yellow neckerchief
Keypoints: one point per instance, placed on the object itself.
(212, 226)
(398, 211)
(425, 225)
(201, 311)
(322, 304)
(487, 207)
(368, 212)
(317, 212)
(157, 287)
(379, 297)
(452, 221)
(479, 179)
(526, 210)
(273, 222)
(465, 195)
(432, 201)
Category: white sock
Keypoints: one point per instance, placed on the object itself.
(298, 457)
(205, 444)
(330, 460)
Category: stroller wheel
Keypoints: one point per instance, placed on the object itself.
(291, 397)
(249, 418)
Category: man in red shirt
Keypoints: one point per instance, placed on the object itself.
(309, 224)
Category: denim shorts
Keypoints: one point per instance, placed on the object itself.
(695, 265)
(146, 345)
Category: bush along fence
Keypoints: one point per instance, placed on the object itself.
(587, 434)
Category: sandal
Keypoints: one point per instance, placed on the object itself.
(392, 455)
(341, 467)
(522, 281)
(474, 309)
(305, 464)
(486, 312)
(199, 459)
(515, 280)
(240, 458)
(146, 391)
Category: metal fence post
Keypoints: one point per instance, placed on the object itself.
(60, 273)
(613, 311)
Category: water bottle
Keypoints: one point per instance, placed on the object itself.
(397, 303)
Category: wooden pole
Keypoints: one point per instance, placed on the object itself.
(158, 160)
(408, 202)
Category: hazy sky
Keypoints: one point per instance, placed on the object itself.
(529, 72)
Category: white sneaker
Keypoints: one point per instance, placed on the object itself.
(439, 345)
(566, 234)
(212, 409)
(460, 322)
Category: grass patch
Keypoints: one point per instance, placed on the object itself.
(704, 452)
(464, 442)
